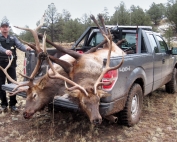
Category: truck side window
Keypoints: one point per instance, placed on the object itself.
(153, 43)
(163, 45)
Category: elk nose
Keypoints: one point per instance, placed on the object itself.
(25, 115)
(97, 121)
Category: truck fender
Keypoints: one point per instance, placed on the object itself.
(137, 75)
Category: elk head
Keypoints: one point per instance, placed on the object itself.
(42, 93)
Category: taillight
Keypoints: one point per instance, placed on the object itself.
(80, 51)
(111, 75)
(24, 66)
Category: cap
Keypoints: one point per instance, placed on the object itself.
(5, 21)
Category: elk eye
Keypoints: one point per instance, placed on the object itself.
(34, 95)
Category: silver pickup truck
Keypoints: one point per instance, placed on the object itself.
(148, 65)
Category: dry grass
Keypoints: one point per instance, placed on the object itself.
(158, 123)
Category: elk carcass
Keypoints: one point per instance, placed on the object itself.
(86, 70)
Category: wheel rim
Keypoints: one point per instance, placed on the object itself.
(135, 105)
(175, 81)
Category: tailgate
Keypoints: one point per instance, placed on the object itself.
(63, 101)
(10, 87)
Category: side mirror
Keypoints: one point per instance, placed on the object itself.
(174, 50)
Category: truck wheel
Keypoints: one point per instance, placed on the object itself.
(171, 86)
(131, 113)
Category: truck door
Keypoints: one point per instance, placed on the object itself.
(167, 59)
(157, 58)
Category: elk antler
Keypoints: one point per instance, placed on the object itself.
(34, 33)
(96, 47)
(18, 91)
(41, 54)
(12, 80)
(5, 70)
(65, 65)
(76, 86)
(29, 44)
(62, 49)
(102, 22)
(107, 67)
(57, 75)
(96, 22)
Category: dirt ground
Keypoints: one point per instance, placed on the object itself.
(158, 123)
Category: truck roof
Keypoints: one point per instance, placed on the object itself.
(114, 27)
(128, 27)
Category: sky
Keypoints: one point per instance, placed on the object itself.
(28, 12)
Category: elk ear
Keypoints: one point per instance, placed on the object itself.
(102, 94)
(75, 93)
(42, 83)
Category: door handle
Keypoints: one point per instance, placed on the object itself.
(163, 61)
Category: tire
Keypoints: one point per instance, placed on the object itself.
(131, 113)
(171, 86)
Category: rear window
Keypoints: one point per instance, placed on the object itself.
(96, 39)
(130, 40)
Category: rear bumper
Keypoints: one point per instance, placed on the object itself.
(66, 101)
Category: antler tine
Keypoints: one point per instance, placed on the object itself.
(65, 65)
(5, 71)
(41, 23)
(30, 45)
(44, 43)
(72, 53)
(96, 47)
(76, 86)
(25, 84)
(102, 22)
(35, 69)
(18, 91)
(95, 21)
(107, 67)
(34, 33)
(33, 74)
(24, 76)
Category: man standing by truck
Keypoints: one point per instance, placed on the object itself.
(8, 45)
